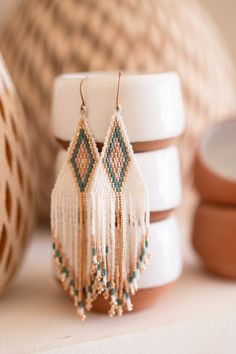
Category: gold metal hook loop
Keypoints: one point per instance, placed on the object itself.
(83, 107)
(118, 92)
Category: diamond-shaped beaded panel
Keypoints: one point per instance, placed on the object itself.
(83, 159)
(116, 158)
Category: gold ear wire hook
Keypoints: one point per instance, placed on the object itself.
(83, 105)
(118, 92)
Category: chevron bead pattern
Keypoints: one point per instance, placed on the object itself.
(117, 158)
(82, 160)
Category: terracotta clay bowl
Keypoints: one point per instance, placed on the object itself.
(214, 238)
(215, 167)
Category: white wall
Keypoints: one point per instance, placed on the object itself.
(224, 14)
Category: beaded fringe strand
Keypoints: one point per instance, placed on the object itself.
(100, 220)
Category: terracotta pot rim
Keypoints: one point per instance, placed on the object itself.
(213, 188)
(202, 159)
(215, 184)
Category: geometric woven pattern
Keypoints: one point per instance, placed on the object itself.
(82, 159)
(17, 183)
(116, 158)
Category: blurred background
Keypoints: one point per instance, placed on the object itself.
(223, 13)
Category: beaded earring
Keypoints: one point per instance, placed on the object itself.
(121, 217)
(70, 218)
(100, 218)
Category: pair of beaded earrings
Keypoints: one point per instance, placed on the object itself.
(100, 218)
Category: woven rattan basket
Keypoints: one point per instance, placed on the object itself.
(16, 185)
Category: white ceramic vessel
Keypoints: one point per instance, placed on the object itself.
(161, 172)
(166, 263)
(152, 104)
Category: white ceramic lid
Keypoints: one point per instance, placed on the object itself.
(152, 104)
(161, 173)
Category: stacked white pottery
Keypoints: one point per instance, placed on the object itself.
(152, 110)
